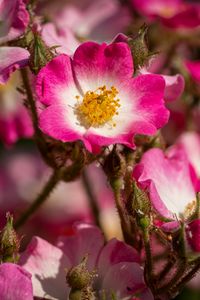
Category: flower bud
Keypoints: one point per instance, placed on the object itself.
(193, 235)
(139, 49)
(79, 277)
(9, 242)
(85, 294)
(40, 53)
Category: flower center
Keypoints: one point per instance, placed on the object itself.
(98, 108)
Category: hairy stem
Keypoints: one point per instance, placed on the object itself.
(187, 277)
(91, 198)
(123, 218)
(148, 271)
(168, 287)
(50, 185)
(30, 98)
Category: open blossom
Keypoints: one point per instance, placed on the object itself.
(15, 121)
(94, 98)
(115, 265)
(172, 13)
(167, 179)
(14, 19)
(15, 283)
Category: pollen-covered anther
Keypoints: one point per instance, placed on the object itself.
(98, 107)
(190, 209)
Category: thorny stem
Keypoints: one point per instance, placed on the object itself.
(187, 277)
(50, 185)
(30, 98)
(124, 223)
(165, 270)
(169, 286)
(91, 198)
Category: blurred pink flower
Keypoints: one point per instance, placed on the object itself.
(116, 265)
(14, 19)
(15, 283)
(167, 179)
(11, 58)
(62, 37)
(15, 121)
(127, 105)
(177, 14)
(99, 20)
(193, 68)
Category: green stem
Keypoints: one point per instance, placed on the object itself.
(91, 198)
(149, 276)
(50, 185)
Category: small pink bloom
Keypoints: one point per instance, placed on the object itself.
(116, 265)
(94, 98)
(193, 235)
(14, 19)
(173, 13)
(15, 121)
(193, 67)
(167, 179)
(15, 283)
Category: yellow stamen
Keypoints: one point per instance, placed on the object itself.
(98, 107)
(190, 209)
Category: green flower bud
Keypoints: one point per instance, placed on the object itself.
(40, 53)
(139, 49)
(79, 277)
(9, 242)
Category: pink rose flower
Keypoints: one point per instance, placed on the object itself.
(94, 98)
(167, 179)
(15, 283)
(116, 265)
(14, 19)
